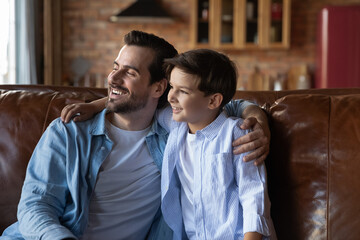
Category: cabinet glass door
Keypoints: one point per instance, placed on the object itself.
(203, 35)
(279, 23)
(240, 24)
(251, 23)
(276, 21)
(227, 21)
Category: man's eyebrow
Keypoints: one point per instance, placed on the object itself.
(132, 67)
(128, 66)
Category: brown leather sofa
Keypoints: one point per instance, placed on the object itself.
(313, 166)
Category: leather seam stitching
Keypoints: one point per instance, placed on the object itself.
(47, 112)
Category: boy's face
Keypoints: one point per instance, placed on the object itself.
(188, 103)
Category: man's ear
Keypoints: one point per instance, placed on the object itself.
(215, 100)
(159, 88)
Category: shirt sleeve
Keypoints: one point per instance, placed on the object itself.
(235, 108)
(164, 117)
(45, 190)
(251, 181)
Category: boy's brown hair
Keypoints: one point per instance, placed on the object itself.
(215, 71)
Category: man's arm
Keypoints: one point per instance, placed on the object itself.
(45, 190)
(164, 117)
(258, 140)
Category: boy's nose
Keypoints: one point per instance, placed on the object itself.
(171, 97)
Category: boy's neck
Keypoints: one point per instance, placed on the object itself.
(211, 116)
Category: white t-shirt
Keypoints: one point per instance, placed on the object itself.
(185, 169)
(127, 191)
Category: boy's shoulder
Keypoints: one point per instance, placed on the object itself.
(233, 121)
(233, 124)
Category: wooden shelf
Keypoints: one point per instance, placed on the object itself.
(237, 27)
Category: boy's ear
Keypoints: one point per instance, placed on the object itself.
(215, 100)
(159, 88)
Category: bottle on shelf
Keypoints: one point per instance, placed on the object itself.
(205, 11)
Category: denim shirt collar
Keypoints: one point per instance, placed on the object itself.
(156, 128)
(98, 126)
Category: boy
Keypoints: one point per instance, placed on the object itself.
(206, 191)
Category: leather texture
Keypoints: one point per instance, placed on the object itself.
(313, 166)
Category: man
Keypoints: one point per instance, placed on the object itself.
(101, 178)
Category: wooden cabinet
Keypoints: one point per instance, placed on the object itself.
(240, 24)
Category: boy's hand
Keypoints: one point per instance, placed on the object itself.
(77, 112)
(257, 141)
(82, 111)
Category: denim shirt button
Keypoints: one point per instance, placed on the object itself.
(102, 148)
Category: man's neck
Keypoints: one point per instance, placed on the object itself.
(134, 121)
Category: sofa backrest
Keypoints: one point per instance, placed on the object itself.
(312, 167)
(314, 162)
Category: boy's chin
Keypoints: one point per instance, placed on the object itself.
(178, 119)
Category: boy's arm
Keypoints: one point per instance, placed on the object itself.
(252, 193)
(82, 111)
(252, 236)
(258, 140)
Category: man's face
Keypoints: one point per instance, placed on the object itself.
(129, 81)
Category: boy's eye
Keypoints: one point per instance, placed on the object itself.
(184, 92)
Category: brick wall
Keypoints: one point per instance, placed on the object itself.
(88, 33)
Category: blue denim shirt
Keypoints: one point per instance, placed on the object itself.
(61, 177)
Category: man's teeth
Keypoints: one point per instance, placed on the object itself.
(117, 92)
(175, 108)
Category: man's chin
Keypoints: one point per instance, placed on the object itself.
(125, 105)
(119, 108)
(111, 106)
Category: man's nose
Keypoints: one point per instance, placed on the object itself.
(116, 77)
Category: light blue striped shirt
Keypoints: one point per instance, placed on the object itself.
(229, 196)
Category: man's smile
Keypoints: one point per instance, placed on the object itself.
(117, 91)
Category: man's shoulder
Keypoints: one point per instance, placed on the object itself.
(58, 123)
(95, 122)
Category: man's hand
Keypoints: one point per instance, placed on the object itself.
(257, 141)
